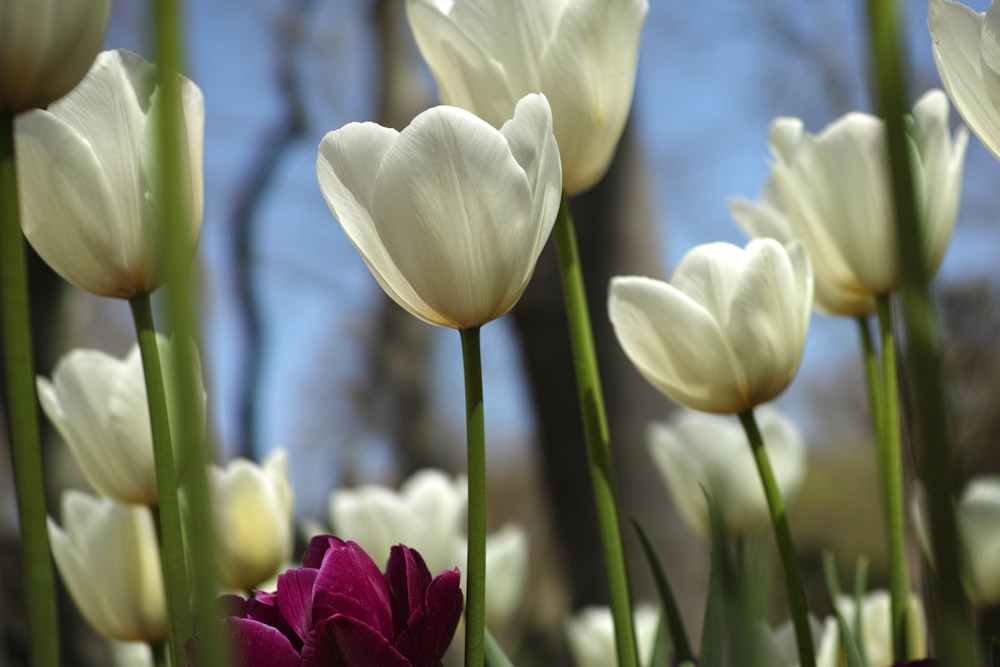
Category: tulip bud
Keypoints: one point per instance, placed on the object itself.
(591, 636)
(450, 214)
(46, 46)
(109, 559)
(695, 451)
(253, 519)
(580, 54)
(727, 333)
(87, 177)
(98, 404)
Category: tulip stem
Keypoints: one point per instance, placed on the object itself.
(475, 570)
(22, 414)
(159, 653)
(595, 427)
(167, 513)
(173, 217)
(891, 461)
(931, 433)
(786, 548)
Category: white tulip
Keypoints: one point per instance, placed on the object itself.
(98, 404)
(978, 517)
(46, 46)
(782, 650)
(88, 183)
(591, 635)
(109, 560)
(967, 52)
(695, 450)
(727, 333)
(450, 214)
(253, 518)
(832, 191)
(582, 54)
(428, 515)
(876, 625)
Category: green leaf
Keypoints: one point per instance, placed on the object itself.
(713, 633)
(495, 656)
(851, 651)
(671, 613)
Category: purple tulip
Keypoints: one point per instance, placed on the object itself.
(339, 610)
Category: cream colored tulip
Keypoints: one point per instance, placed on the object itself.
(253, 520)
(876, 626)
(506, 572)
(591, 636)
(582, 54)
(86, 169)
(832, 192)
(782, 650)
(727, 333)
(98, 404)
(978, 516)
(450, 214)
(695, 450)
(967, 53)
(46, 47)
(109, 559)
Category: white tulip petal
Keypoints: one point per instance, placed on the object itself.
(956, 31)
(708, 275)
(466, 75)
(785, 137)
(507, 560)
(529, 134)
(448, 228)
(763, 219)
(68, 183)
(588, 74)
(764, 325)
(676, 344)
(990, 53)
(678, 465)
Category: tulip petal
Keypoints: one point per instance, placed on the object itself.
(67, 183)
(676, 344)
(708, 275)
(430, 627)
(679, 468)
(258, 645)
(447, 228)
(957, 33)
(588, 74)
(295, 599)
(342, 641)
(350, 583)
(765, 324)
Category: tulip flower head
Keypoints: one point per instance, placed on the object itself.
(339, 609)
(695, 451)
(727, 333)
(876, 627)
(253, 518)
(450, 214)
(109, 559)
(832, 192)
(967, 53)
(581, 54)
(978, 514)
(428, 514)
(590, 634)
(87, 177)
(98, 404)
(46, 47)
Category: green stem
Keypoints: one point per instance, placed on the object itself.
(872, 375)
(179, 301)
(595, 427)
(932, 435)
(22, 415)
(168, 512)
(786, 549)
(475, 570)
(892, 478)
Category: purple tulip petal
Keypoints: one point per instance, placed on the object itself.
(295, 599)
(341, 641)
(408, 578)
(318, 546)
(257, 645)
(430, 629)
(350, 583)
